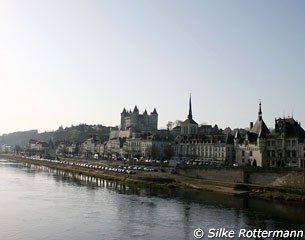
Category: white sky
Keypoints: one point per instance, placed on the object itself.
(70, 62)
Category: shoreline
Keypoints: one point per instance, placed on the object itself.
(169, 180)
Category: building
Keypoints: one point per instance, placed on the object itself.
(205, 144)
(139, 122)
(124, 142)
(189, 126)
(67, 149)
(285, 144)
(38, 146)
(114, 148)
(282, 147)
(250, 149)
(91, 147)
(6, 148)
(209, 149)
(138, 137)
(148, 146)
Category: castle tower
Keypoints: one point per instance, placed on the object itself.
(123, 115)
(134, 119)
(136, 110)
(153, 120)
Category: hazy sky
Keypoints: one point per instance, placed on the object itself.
(69, 62)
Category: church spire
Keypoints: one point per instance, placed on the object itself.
(190, 116)
(260, 114)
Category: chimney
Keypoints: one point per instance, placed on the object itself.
(251, 125)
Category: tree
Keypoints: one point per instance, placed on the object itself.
(17, 149)
(169, 125)
(177, 123)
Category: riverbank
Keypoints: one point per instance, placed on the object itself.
(169, 180)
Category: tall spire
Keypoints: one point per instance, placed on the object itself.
(260, 115)
(190, 116)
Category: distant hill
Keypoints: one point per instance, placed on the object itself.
(79, 133)
(19, 138)
(73, 134)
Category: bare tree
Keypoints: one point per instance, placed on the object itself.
(169, 125)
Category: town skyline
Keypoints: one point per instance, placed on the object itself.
(174, 122)
(76, 62)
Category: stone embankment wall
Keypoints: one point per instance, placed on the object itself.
(259, 176)
(227, 174)
(292, 178)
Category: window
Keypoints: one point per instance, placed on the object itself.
(251, 154)
(294, 153)
(243, 153)
(288, 153)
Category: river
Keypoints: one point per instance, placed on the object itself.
(38, 203)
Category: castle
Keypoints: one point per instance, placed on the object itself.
(283, 146)
(139, 122)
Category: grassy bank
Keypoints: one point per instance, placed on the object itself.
(153, 179)
(167, 180)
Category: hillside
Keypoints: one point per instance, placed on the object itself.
(73, 134)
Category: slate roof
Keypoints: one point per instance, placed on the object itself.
(230, 139)
(189, 121)
(251, 136)
(289, 127)
(260, 127)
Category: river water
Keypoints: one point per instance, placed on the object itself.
(38, 203)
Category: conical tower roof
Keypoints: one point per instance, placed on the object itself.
(155, 111)
(260, 127)
(135, 109)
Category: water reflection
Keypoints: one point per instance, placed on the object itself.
(294, 212)
(111, 210)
